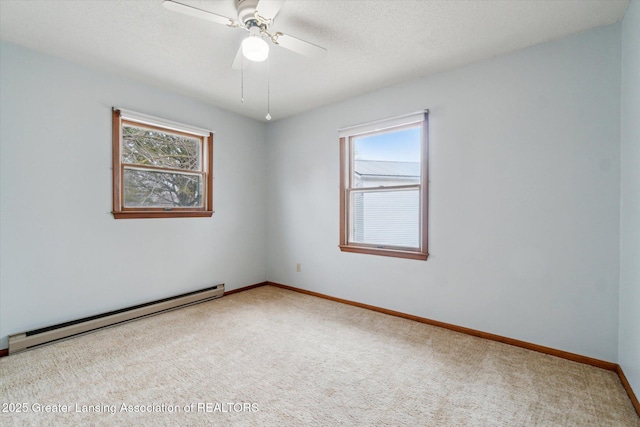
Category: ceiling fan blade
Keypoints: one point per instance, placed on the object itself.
(198, 13)
(269, 8)
(302, 47)
(237, 62)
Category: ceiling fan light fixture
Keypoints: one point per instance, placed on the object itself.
(255, 49)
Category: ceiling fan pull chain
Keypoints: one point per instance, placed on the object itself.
(242, 81)
(268, 117)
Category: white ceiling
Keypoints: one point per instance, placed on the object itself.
(371, 44)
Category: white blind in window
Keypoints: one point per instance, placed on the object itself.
(158, 121)
(383, 124)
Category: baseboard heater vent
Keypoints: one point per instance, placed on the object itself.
(61, 331)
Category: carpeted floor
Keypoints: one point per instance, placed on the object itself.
(273, 357)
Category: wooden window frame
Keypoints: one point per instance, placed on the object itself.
(120, 117)
(346, 167)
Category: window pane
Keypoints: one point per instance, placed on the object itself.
(146, 188)
(387, 159)
(387, 218)
(159, 149)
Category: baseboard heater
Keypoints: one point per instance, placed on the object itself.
(50, 334)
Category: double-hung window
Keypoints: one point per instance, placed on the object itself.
(383, 187)
(161, 168)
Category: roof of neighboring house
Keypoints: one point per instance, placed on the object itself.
(386, 168)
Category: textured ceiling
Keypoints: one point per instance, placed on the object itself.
(371, 44)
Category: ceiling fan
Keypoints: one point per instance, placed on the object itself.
(256, 17)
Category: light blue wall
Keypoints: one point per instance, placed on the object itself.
(629, 339)
(524, 197)
(62, 254)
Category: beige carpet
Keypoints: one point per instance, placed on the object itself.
(272, 357)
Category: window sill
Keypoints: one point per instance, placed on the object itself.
(161, 214)
(384, 252)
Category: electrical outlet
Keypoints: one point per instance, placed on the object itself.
(298, 267)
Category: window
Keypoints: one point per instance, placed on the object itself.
(383, 187)
(161, 169)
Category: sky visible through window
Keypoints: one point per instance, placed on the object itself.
(397, 146)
